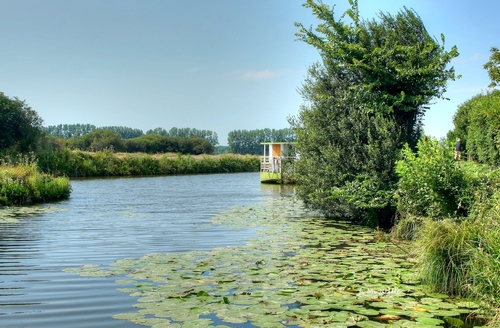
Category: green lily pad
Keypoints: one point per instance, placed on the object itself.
(429, 321)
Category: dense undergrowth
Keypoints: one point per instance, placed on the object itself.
(451, 210)
(21, 182)
(107, 163)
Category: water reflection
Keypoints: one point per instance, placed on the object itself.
(277, 189)
(105, 220)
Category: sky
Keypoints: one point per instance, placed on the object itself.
(218, 65)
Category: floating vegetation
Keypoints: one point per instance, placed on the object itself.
(297, 271)
(12, 214)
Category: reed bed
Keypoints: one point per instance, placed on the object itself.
(22, 183)
(107, 163)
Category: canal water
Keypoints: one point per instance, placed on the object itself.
(103, 221)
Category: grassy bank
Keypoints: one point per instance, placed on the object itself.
(22, 183)
(106, 163)
(451, 210)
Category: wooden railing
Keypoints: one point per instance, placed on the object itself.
(270, 164)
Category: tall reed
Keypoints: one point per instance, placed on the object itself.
(106, 163)
(21, 182)
(446, 255)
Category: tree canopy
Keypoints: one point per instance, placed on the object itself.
(477, 123)
(20, 126)
(493, 67)
(211, 136)
(248, 141)
(363, 101)
(67, 131)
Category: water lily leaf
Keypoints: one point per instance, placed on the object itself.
(370, 324)
(128, 316)
(446, 313)
(202, 293)
(438, 295)
(387, 317)
(454, 322)
(429, 321)
(369, 312)
(384, 305)
(393, 311)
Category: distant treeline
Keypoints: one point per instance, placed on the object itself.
(248, 141)
(68, 131)
(88, 137)
(100, 139)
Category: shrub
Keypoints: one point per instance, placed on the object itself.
(431, 183)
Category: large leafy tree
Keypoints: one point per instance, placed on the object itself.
(493, 67)
(20, 126)
(477, 123)
(364, 100)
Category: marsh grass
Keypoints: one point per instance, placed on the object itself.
(22, 183)
(451, 209)
(485, 262)
(463, 257)
(446, 256)
(108, 163)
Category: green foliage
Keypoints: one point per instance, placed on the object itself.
(461, 257)
(22, 183)
(393, 58)
(477, 123)
(211, 136)
(485, 264)
(363, 101)
(155, 143)
(106, 163)
(431, 184)
(20, 126)
(493, 67)
(97, 140)
(124, 131)
(451, 208)
(346, 155)
(190, 132)
(158, 130)
(248, 141)
(67, 131)
(445, 256)
(221, 150)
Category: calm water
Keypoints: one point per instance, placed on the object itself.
(103, 221)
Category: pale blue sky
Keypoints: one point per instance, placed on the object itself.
(218, 65)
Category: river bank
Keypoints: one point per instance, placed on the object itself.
(107, 163)
(22, 183)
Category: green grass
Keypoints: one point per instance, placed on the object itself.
(22, 183)
(460, 255)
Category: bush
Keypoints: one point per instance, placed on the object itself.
(431, 184)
